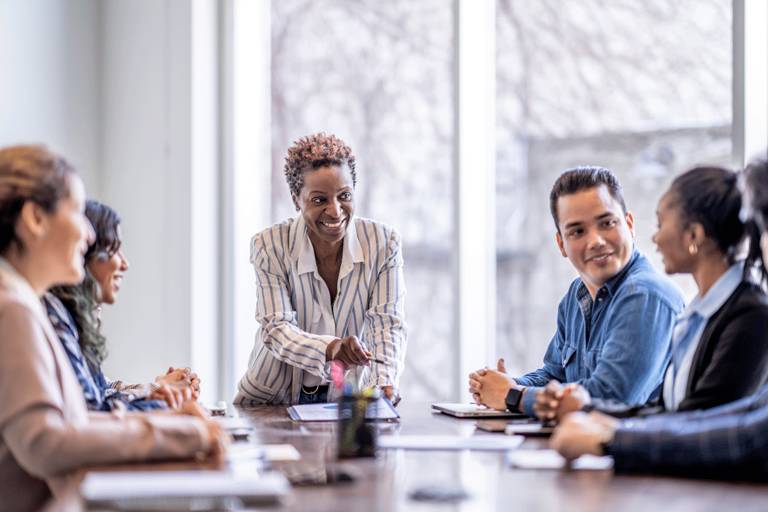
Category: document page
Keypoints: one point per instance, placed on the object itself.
(481, 442)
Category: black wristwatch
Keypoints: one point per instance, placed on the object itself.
(513, 399)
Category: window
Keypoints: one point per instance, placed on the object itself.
(380, 76)
(643, 88)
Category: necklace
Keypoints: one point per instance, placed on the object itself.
(306, 390)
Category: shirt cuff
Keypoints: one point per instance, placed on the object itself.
(324, 340)
(623, 445)
(529, 398)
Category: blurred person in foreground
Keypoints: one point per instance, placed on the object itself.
(46, 432)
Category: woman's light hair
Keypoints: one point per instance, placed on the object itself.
(29, 173)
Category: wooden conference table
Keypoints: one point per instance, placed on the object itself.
(385, 483)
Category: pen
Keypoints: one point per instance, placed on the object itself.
(375, 360)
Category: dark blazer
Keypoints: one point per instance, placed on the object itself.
(726, 442)
(731, 360)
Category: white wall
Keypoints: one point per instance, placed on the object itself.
(159, 171)
(115, 88)
(50, 79)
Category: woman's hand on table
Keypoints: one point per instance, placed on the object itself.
(349, 351)
(174, 396)
(183, 378)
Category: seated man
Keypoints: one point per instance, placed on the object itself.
(614, 324)
(727, 442)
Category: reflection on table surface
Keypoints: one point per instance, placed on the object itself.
(388, 481)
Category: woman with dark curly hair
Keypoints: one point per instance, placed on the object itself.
(329, 287)
(74, 313)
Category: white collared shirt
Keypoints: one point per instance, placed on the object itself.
(322, 321)
(676, 384)
(297, 318)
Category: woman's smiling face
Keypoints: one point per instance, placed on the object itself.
(108, 270)
(326, 202)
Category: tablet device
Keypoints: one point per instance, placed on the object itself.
(460, 410)
(379, 410)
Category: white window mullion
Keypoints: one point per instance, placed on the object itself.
(203, 184)
(475, 186)
(246, 168)
(750, 79)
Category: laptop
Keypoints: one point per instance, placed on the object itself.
(462, 410)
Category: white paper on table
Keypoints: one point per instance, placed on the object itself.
(232, 423)
(550, 459)
(414, 442)
(121, 485)
(272, 452)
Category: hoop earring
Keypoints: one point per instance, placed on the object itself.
(693, 249)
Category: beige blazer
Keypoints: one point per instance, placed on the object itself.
(46, 432)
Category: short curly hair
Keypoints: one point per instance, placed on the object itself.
(313, 152)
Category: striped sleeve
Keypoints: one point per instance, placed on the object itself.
(279, 331)
(385, 316)
(135, 390)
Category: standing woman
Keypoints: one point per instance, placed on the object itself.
(46, 432)
(329, 287)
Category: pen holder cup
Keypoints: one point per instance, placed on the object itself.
(356, 437)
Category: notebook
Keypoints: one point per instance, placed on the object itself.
(181, 490)
(460, 410)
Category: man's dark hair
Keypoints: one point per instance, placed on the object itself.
(577, 179)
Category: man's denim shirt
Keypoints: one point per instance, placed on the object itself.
(617, 346)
